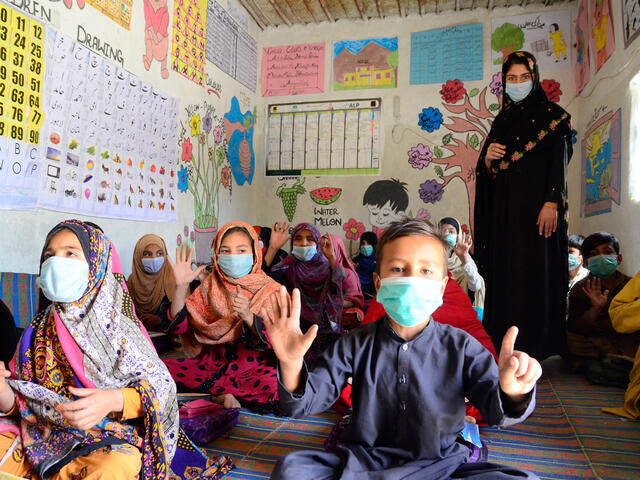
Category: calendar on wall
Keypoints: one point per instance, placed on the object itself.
(324, 138)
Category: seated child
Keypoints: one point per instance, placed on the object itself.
(460, 264)
(576, 270)
(222, 333)
(8, 334)
(365, 263)
(590, 332)
(625, 317)
(313, 268)
(410, 375)
(105, 405)
(151, 281)
(271, 243)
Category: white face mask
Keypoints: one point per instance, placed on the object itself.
(518, 91)
(152, 265)
(304, 253)
(63, 280)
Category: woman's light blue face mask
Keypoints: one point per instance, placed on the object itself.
(304, 254)
(518, 91)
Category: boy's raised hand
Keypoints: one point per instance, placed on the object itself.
(594, 291)
(283, 326)
(518, 371)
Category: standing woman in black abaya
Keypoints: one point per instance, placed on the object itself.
(521, 201)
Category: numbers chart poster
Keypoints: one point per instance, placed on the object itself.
(111, 146)
(21, 80)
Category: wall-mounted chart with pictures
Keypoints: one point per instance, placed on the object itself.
(22, 65)
(111, 145)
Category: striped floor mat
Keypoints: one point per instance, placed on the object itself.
(567, 437)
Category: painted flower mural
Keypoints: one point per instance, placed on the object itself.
(183, 179)
(353, 231)
(552, 89)
(430, 119)
(239, 135)
(424, 215)
(452, 91)
(496, 84)
(431, 191)
(420, 156)
(187, 150)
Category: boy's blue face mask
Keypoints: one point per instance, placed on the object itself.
(410, 300)
(63, 279)
(518, 91)
(236, 266)
(304, 253)
(452, 239)
(366, 250)
(573, 262)
(603, 265)
(152, 265)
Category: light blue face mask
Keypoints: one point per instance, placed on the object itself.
(410, 300)
(152, 265)
(63, 279)
(304, 253)
(573, 262)
(603, 265)
(518, 91)
(452, 239)
(236, 266)
(366, 250)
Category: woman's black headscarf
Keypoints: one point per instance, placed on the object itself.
(524, 125)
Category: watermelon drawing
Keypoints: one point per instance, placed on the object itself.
(325, 195)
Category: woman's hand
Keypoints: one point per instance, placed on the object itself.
(182, 268)
(7, 397)
(547, 220)
(241, 306)
(594, 291)
(327, 249)
(495, 151)
(91, 407)
(279, 235)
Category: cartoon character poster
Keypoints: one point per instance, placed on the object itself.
(583, 61)
(387, 202)
(601, 165)
(363, 64)
(189, 39)
(156, 37)
(546, 35)
(630, 21)
(603, 41)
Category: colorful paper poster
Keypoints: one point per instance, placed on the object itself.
(583, 60)
(111, 146)
(293, 69)
(546, 35)
(365, 64)
(603, 42)
(446, 53)
(117, 10)
(601, 179)
(189, 39)
(630, 21)
(22, 68)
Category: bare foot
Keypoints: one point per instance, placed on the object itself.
(227, 401)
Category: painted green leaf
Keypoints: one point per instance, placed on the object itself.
(91, 150)
(447, 139)
(493, 107)
(437, 152)
(105, 154)
(473, 141)
(474, 92)
(439, 170)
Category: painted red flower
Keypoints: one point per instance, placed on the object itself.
(552, 89)
(452, 91)
(225, 175)
(353, 229)
(187, 150)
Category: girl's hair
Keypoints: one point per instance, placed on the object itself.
(409, 227)
(370, 237)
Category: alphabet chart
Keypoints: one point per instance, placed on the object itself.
(22, 66)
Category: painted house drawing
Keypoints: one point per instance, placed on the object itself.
(361, 64)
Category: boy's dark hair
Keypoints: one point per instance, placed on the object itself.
(575, 241)
(450, 221)
(383, 191)
(595, 240)
(370, 237)
(409, 227)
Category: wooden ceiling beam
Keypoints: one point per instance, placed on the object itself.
(360, 9)
(379, 7)
(308, 7)
(280, 13)
(326, 11)
(294, 15)
(255, 13)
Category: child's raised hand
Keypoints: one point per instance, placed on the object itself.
(327, 249)
(463, 245)
(518, 371)
(283, 326)
(182, 267)
(4, 374)
(594, 291)
(279, 235)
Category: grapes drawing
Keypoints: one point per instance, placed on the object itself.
(289, 197)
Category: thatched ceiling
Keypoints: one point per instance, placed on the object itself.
(272, 13)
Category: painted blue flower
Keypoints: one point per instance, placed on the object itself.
(183, 179)
(574, 135)
(430, 119)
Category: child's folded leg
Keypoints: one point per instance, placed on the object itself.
(307, 464)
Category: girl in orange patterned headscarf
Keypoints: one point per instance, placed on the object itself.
(222, 331)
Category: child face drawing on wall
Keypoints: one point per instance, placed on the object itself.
(387, 201)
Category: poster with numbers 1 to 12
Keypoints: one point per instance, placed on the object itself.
(21, 118)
